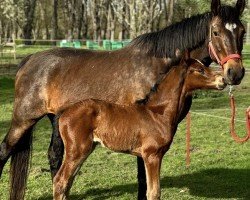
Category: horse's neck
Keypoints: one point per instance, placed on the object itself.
(190, 33)
(170, 94)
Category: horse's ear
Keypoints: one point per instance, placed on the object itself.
(215, 7)
(240, 6)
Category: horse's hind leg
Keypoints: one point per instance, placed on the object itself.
(14, 140)
(141, 176)
(78, 145)
(56, 148)
(17, 143)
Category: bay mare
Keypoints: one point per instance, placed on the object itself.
(51, 80)
(145, 130)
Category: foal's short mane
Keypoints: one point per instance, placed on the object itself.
(154, 89)
(190, 33)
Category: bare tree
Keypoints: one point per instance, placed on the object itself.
(54, 20)
(29, 11)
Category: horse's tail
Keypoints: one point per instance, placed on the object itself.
(20, 165)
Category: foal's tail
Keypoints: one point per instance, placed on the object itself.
(20, 165)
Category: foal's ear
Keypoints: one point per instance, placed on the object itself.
(215, 7)
(240, 6)
(185, 58)
(186, 55)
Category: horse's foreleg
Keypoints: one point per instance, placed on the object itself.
(153, 165)
(56, 148)
(141, 176)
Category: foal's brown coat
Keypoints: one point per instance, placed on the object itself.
(143, 130)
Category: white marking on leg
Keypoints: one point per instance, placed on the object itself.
(96, 139)
(230, 26)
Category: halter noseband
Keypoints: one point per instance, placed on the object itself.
(212, 52)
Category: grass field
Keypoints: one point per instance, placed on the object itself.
(220, 168)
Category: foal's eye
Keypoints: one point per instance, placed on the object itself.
(201, 71)
(215, 33)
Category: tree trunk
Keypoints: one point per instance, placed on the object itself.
(170, 12)
(85, 20)
(54, 21)
(29, 11)
(248, 34)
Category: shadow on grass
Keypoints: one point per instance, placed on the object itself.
(211, 183)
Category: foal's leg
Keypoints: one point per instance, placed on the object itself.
(56, 148)
(78, 142)
(66, 174)
(153, 165)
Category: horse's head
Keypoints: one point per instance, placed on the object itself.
(226, 39)
(201, 77)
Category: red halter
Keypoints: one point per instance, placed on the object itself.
(212, 52)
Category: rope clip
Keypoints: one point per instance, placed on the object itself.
(230, 93)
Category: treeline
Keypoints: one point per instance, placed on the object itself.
(92, 19)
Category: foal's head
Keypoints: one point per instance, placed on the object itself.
(201, 77)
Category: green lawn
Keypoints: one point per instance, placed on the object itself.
(220, 167)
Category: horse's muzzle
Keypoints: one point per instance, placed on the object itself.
(233, 74)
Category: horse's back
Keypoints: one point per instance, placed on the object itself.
(63, 76)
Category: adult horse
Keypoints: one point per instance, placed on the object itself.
(50, 80)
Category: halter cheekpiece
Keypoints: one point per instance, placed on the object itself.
(212, 52)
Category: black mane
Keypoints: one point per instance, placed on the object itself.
(190, 33)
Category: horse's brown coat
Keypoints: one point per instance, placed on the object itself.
(51, 80)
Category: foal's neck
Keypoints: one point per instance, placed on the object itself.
(170, 94)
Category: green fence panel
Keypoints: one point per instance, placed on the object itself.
(92, 45)
(65, 43)
(125, 42)
(77, 44)
(116, 45)
(107, 45)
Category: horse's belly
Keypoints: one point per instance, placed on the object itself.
(116, 140)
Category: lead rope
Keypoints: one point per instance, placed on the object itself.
(188, 136)
(232, 124)
(232, 127)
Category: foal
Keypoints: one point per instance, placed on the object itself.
(145, 130)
